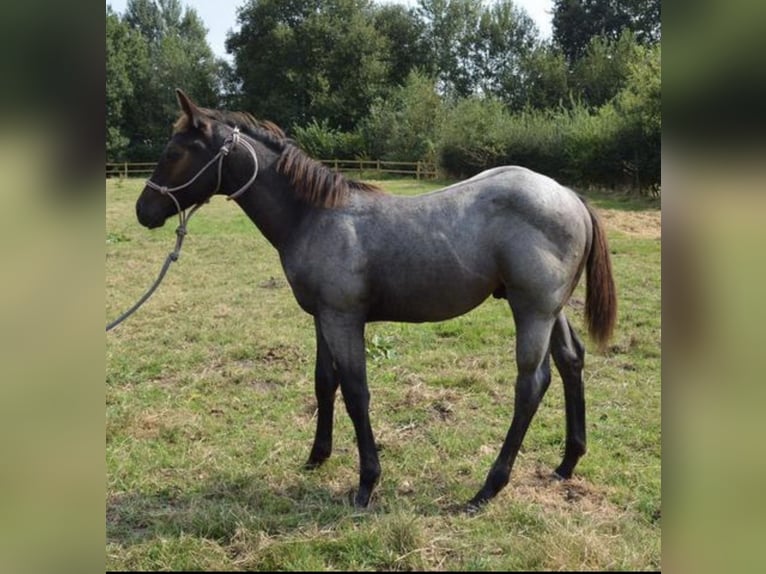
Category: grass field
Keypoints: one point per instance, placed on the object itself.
(210, 414)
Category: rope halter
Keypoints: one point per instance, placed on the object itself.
(228, 145)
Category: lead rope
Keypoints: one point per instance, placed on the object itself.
(184, 217)
(172, 256)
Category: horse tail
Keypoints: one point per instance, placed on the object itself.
(600, 293)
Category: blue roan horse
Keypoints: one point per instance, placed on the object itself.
(353, 254)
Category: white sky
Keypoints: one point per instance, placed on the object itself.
(220, 16)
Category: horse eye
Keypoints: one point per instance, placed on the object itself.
(175, 154)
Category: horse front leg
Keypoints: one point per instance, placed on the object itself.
(344, 335)
(325, 384)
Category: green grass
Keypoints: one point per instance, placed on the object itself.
(210, 414)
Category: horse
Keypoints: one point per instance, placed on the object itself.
(353, 254)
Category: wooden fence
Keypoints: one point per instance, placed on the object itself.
(417, 169)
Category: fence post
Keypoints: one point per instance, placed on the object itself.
(418, 171)
(126, 170)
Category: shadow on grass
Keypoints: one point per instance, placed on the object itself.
(220, 507)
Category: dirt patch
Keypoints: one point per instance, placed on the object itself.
(645, 224)
(282, 355)
(539, 485)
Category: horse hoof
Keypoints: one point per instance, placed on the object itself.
(559, 476)
(474, 506)
(359, 503)
(315, 462)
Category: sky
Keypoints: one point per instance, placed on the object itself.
(220, 17)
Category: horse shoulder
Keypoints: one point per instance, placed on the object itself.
(325, 264)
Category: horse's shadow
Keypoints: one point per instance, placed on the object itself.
(221, 508)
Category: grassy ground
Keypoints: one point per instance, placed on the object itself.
(210, 414)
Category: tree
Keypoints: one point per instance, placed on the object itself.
(450, 27)
(505, 39)
(546, 77)
(308, 59)
(406, 48)
(176, 55)
(640, 105)
(404, 126)
(575, 22)
(125, 51)
(604, 67)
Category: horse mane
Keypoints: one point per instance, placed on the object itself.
(315, 182)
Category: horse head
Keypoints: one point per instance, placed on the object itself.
(189, 170)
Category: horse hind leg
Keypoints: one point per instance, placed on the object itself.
(534, 376)
(569, 355)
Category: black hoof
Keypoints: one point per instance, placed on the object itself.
(359, 502)
(561, 474)
(315, 461)
(475, 505)
(312, 464)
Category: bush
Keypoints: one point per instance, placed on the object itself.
(639, 105)
(616, 145)
(404, 126)
(321, 141)
(481, 133)
(471, 137)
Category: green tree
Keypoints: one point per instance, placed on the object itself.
(639, 103)
(575, 22)
(404, 126)
(309, 59)
(125, 52)
(450, 29)
(478, 49)
(506, 37)
(546, 77)
(603, 69)
(406, 48)
(177, 55)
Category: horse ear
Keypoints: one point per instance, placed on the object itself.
(191, 110)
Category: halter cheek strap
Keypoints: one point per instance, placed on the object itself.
(228, 145)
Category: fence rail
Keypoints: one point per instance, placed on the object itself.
(418, 169)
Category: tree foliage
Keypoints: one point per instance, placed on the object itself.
(154, 48)
(405, 47)
(466, 82)
(308, 59)
(125, 53)
(405, 126)
(601, 72)
(575, 22)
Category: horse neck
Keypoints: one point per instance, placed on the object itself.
(270, 203)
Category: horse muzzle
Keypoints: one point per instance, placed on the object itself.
(150, 217)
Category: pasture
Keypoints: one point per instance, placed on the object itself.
(210, 414)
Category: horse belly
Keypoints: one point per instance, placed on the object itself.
(418, 296)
